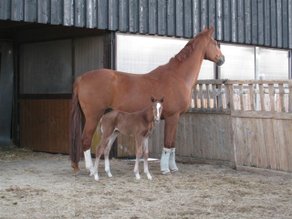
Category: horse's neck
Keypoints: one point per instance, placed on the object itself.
(189, 68)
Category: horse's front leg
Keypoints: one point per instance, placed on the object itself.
(112, 138)
(139, 152)
(167, 162)
(146, 155)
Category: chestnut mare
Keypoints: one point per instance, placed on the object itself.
(98, 90)
(138, 124)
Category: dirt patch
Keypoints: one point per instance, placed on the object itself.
(41, 185)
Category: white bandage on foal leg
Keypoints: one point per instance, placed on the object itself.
(88, 161)
(172, 163)
(164, 161)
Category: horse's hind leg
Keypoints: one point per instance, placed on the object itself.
(89, 128)
(111, 140)
(146, 155)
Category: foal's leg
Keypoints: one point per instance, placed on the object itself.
(99, 152)
(146, 153)
(139, 152)
(111, 140)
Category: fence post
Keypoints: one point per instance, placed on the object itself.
(290, 97)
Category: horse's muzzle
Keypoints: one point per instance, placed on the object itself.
(220, 61)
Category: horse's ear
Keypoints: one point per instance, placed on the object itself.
(161, 100)
(211, 31)
(152, 99)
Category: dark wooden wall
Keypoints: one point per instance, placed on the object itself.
(46, 71)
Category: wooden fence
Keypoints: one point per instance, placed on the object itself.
(245, 123)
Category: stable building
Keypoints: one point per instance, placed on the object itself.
(46, 44)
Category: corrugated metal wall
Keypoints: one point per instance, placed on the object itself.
(257, 22)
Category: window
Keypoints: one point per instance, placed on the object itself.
(272, 64)
(239, 63)
(141, 54)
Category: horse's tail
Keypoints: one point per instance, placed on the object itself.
(75, 130)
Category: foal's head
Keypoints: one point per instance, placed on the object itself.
(157, 108)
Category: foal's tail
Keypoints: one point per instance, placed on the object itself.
(75, 131)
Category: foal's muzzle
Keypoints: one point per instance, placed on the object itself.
(221, 61)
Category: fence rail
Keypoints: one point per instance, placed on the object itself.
(225, 96)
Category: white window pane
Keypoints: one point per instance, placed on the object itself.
(141, 54)
(272, 64)
(239, 62)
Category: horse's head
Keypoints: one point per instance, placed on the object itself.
(157, 108)
(213, 52)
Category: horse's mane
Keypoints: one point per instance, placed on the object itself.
(188, 49)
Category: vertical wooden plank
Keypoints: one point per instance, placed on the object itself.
(234, 21)
(91, 16)
(143, 16)
(17, 10)
(208, 96)
(240, 15)
(281, 151)
(281, 98)
(113, 14)
(152, 17)
(251, 97)
(273, 20)
(5, 9)
(219, 20)
(188, 21)
(212, 14)
(262, 96)
(179, 18)
(30, 10)
(162, 21)
(123, 15)
(287, 124)
(102, 14)
(272, 97)
(68, 12)
(57, 12)
(204, 14)
(285, 24)
(290, 97)
(267, 23)
(254, 22)
(196, 17)
(279, 24)
(43, 11)
(247, 20)
(241, 97)
(289, 8)
(133, 16)
(260, 28)
(227, 20)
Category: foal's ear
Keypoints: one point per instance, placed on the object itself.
(153, 99)
(161, 100)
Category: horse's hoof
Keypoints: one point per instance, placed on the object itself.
(96, 177)
(138, 177)
(166, 172)
(149, 177)
(109, 175)
(174, 170)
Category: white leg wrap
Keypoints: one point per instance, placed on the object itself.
(88, 161)
(164, 161)
(172, 163)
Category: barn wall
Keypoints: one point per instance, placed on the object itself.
(47, 71)
(261, 22)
